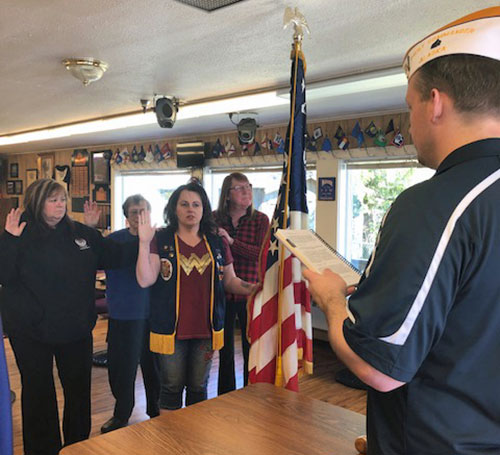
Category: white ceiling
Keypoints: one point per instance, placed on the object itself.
(165, 47)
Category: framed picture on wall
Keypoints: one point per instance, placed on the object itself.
(18, 187)
(326, 189)
(101, 193)
(80, 157)
(31, 176)
(100, 168)
(77, 203)
(10, 187)
(46, 163)
(14, 170)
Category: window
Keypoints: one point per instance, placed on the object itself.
(370, 189)
(156, 187)
(265, 189)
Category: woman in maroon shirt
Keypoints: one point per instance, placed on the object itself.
(189, 267)
(245, 230)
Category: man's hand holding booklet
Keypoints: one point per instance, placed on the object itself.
(316, 254)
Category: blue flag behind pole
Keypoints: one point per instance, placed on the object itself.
(327, 144)
(5, 411)
(357, 133)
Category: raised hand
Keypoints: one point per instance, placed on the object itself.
(91, 213)
(145, 230)
(12, 225)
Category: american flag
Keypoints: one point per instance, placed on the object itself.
(280, 330)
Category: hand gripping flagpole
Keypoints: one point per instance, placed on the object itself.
(296, 18)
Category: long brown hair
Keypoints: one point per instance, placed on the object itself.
(222, 212)
(36, 195)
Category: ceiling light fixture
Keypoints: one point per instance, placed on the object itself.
(375, 80)
(188, 111)
(87, 70)
(92, 126)
(234, 104)
(356, 83)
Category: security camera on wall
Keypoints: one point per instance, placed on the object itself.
(247, 127)
(166, 111)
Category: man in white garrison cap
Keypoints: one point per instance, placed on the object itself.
(422, 328)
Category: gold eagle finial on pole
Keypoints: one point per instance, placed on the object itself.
(295, 17)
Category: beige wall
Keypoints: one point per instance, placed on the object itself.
(326, 163)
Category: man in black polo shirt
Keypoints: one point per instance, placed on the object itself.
(422, 329)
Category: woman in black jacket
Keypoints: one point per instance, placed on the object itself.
(48, 266)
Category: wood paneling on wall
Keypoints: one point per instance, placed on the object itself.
(63, 157)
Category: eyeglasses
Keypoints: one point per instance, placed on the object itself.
(241, 188)
(135, 212)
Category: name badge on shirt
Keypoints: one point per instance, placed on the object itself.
(82, 244)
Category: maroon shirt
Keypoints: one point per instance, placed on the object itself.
(248, 237)
(194, 289)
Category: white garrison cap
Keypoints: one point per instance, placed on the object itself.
(477, 34)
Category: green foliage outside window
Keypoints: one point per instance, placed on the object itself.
(381, 192)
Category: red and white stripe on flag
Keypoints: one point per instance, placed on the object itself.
(279, 327)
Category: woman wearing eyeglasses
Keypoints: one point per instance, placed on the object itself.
(245, 230)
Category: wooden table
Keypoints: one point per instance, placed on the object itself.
(257, 420)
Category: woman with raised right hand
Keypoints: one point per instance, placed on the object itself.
(48, 267)
(190, 267)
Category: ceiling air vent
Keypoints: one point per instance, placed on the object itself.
(209, 5)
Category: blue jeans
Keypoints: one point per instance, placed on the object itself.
(188, 367)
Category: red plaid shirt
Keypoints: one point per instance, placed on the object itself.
(248, 238)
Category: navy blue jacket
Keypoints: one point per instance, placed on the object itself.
(165, 298)
(428, 312)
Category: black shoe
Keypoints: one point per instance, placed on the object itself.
(349, 379)
(113, 424)
(100, 359)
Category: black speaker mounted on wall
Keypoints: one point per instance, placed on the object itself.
(166, 111)
(190, 154)
(247, 128)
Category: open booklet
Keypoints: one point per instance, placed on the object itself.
(316, 254)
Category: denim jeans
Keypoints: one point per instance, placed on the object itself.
(188, 367)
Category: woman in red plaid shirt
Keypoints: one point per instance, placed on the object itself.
(245, 230)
